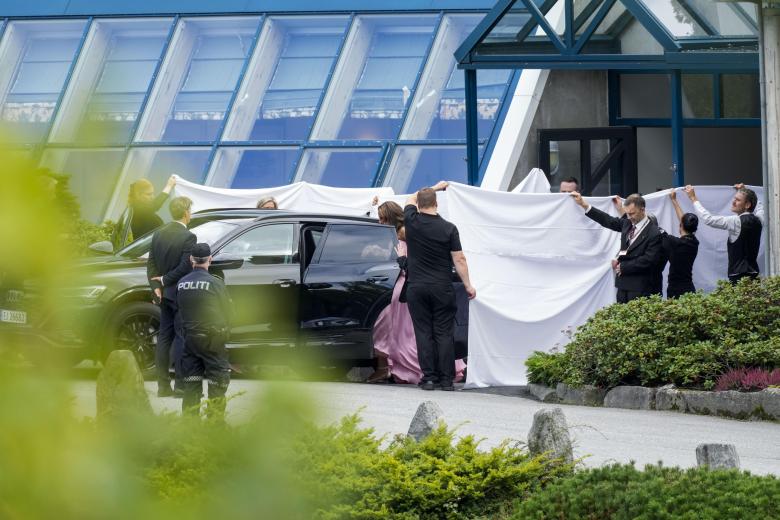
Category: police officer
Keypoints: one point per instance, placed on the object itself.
(204, 306)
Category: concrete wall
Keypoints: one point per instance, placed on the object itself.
(571, 99)
(577, 99)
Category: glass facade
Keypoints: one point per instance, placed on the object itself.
(243, 101)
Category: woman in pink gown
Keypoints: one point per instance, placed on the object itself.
(394, 342)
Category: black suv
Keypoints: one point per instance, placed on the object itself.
(297, 280)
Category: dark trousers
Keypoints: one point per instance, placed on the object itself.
(204, 357)
(432, 308)
(734, 278)
(169, 338)
(624, 296)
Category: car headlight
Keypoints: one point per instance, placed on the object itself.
(88, 294)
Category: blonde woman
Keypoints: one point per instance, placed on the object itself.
(143, 206)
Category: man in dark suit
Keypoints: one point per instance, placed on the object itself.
(169, 260)
(640, 254)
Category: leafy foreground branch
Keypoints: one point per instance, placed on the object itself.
(278, 465)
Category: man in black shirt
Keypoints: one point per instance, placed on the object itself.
(433, 247)
(169, 260)
(205, 310)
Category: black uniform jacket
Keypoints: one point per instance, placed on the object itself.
(169, 257)
(639, 265)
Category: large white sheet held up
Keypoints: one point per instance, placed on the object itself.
(539, 265)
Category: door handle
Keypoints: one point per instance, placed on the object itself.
(284, 282)
(377, 279)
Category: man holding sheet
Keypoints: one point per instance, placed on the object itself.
(640, 247)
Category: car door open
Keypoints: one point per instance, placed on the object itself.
(265, 289)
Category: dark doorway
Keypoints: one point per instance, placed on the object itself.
(604, 159)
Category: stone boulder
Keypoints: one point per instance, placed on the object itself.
(425, 420)
(738, 405)
(120, 387)
(717, 456)
(631, 397)
(550, 434)
(585, 395)
(543, 393)
(668, 398)
(770, 402)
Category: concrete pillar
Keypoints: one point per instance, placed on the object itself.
(770, 77)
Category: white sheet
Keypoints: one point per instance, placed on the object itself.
(535, 182)
(300, 196)
(540, 266)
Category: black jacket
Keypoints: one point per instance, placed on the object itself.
(169, 257)
(639, 266)
(144, 218)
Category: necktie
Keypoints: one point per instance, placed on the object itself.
(631, 231)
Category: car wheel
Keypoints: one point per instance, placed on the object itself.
(134, 327)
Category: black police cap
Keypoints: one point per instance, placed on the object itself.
(201, 250)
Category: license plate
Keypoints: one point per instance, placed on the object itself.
(13, 316)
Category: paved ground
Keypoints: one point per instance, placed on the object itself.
(602, 435)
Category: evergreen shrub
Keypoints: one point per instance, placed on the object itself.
(621, 492)
(689, 341)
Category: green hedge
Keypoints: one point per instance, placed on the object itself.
(348, 474)
(622, 492)
(687, 341)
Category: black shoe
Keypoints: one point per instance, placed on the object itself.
(164, 391)
(448, 388)
(428, 385)
(178, 393)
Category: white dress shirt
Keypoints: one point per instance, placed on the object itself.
(731, 223)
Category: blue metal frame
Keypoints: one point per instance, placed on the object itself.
(678, 145)
(472, 131)
(84, 8)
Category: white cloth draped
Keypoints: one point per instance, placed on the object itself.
(540, 266)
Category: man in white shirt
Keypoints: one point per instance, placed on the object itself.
(744, 229)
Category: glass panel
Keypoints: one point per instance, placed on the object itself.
(728, 19)
(416, 167)
(599, 149)
(253, 167)
(675, 18)
(645, 95)
(439, 109)
(507, 29)
(115, 72)
(279, 99)
(740, 97)
(93, 175)
(264, 245)
(564, 162)
(36, 58)
(697, 95)
(157, 165)
(340, 167)
(198, 78)
(350, 244)
(376, 78)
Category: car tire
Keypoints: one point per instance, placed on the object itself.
(134, 327)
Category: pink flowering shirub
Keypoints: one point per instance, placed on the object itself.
(748, 379)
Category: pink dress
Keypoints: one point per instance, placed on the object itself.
(394, 336)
